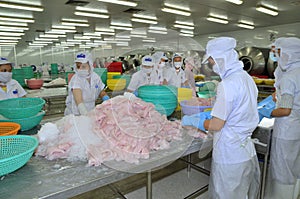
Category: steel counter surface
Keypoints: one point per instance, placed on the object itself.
(41, 178)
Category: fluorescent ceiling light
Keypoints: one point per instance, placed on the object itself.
(185, 23)
(120, 2)
(8, 41)
(104, 29)
(8, 44)
(173, 11)
(143, 21)
(144, 16)
(247, 26)
(16, 19)
(158, 28)
(177, 6)
(105, 33)
(120, 28)
(12, 38)
(64, 27)
(46, 39)
(91, 34)
(13, 28)
(138, 36)
(247, 22)
(31, 44)
(290, 34)
(122, 37)
(59, 31)
(267, 10)
(75, 24)
(148, 40)
(21, 6)
(186, 35)
(273, 31)
(122, 44)
(42, 42)
(157, 32)
(88, 14)
(187, 31)
(217, 20)
(237, 2)
(85, 9)
(50, 36)
(258, 37)
(184, 27)
(14, 23)
(75, 20)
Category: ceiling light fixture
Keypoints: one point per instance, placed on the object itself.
(17, 19)
(13, 28)
(157, 31)
(186, 35)
(217, 20)
(267, 10)
(247, 26)
(185, 23)
(105, 33)
(21, 6)
(88, 14)
(104, 29)
(178, 12)
(158, 28)
(120, 2)
(75, 24)
(75, 20)
(120, 27)
(187, 31)
(14, 23)
(12, 38)
(64, 27)
(237, 2)
(145, 16)
(180, 7)
(184, 27)
(149, 40)
(85, 9)
(143, 21)
(120, 24)
(11, 34)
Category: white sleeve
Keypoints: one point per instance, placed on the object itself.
(21, 91)
(134, 82)
(75, 82)
(286, 101)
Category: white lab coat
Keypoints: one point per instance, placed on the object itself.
(174, 78)
(90, 92)
(140, 79)
(13, 90)
(235, 170)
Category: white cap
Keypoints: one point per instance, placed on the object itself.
(160, 55)
(147, 61)
(3, 61)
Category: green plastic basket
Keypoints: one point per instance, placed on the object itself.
(29, 122)
(18, 108)
(15, 152)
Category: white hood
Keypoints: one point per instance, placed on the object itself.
(222, 51)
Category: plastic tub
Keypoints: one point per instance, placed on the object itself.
(9, 128)
(190, 110)
(35, 83)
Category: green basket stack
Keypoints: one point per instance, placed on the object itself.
(54, 68)
(102, 72)
(24, 111)
(67, 75)
(28, 72)
(18, 74)
(16, 151)
(127, 77)
(163, 97)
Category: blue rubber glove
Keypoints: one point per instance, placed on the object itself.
(266, 107)
(196, 120)
(105, 97)
(136, 93)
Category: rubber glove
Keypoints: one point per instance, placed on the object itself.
(136, 93)
(196, 120)
(105, 97)
(266, 107)
(82, 109)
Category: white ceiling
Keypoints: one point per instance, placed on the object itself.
(288, 20)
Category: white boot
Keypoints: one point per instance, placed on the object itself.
(297, 190)
(281, 191)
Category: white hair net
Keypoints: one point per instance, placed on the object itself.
(289, 52)
(84, 57)
(222, 51)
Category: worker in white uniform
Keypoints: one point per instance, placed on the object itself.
(84, 88)
(146, 76)
(9, 88)
(176, 76)
(235, 170)
(285, 148)
(189, 74)
(160, 60)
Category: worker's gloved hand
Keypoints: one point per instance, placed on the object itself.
(82, 109)
(196, 120)
(265, 107)
(105, 97)
(185, 87)
(136, 93)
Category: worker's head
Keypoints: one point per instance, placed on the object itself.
(287, 52)
(222, 57)
(84, 64)
(177, 61)
(5, 70)
(160, 59)
(147, 64)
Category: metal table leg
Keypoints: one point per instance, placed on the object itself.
(149, 185)
(189, 159)
(263, 182)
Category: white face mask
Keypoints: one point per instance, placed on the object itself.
(147, 70)
(162, 65)
(177, 64)
(5, 77)
(83, 73)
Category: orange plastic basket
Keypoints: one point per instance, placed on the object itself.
(9, 128)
